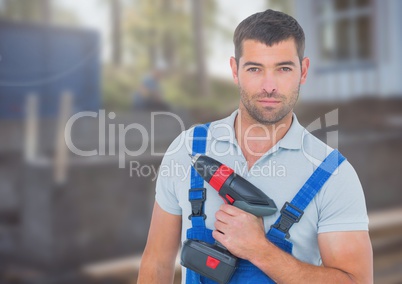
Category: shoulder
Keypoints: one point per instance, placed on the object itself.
(183, 143)
(208, 130)
(313, 148)
(316, 151)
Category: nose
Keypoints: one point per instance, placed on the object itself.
(269, 84)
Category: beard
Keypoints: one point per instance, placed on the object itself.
(268, 115)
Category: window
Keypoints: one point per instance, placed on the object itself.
(345, 31)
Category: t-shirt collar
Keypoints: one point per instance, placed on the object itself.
(223, 130)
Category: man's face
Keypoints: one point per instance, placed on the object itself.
(269, 80)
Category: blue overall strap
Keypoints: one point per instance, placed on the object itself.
(197, 197)
(197, 192)
(293, 211)
(199, 146)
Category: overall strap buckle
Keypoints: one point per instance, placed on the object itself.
(290, 214)
(197, 197)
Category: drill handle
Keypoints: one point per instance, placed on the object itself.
(218, 244)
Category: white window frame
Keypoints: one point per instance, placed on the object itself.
(333, 16)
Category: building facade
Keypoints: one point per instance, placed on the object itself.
(354, 46)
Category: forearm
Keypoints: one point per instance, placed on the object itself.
(155, 271)
(284, 268)
(346, 256)
(158, 260)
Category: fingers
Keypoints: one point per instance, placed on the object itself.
(220, 226)
(231, 216)
(222, 216)
(236, 229)
(218, 236)
(222, 223)
(230, 209)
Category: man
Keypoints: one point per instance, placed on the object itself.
(264, 143)
(149, 94)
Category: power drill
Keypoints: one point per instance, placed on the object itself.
(215, 261)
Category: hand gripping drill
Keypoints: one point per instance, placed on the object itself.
(215, 261)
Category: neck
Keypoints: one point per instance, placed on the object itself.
(255, 139)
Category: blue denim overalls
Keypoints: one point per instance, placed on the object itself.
(246, 272)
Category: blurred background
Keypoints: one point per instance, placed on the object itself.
(72, 218)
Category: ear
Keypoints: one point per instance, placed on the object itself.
(305, 66)
(233, 65)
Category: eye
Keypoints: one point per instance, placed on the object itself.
(286, 69)
(253, 69)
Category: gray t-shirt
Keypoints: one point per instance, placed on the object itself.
(280, 173)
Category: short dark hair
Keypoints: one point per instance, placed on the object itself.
(269, 27)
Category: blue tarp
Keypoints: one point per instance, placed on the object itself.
(48, 61)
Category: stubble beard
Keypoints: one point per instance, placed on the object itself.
(268, 115)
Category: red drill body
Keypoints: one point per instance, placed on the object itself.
(233, 188)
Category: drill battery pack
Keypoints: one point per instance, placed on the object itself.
(211, 261)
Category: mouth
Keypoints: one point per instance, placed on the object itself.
(268, 102)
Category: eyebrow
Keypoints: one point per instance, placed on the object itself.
(251, 63)
(248, 63)
(291, 63)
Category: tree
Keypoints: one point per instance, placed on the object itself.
(115, 15)
(115, 10)
(171, 32)
(286, 6)
(203, 80)
(28, 10)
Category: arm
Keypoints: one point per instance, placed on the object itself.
(346, 256)
(157, 263)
